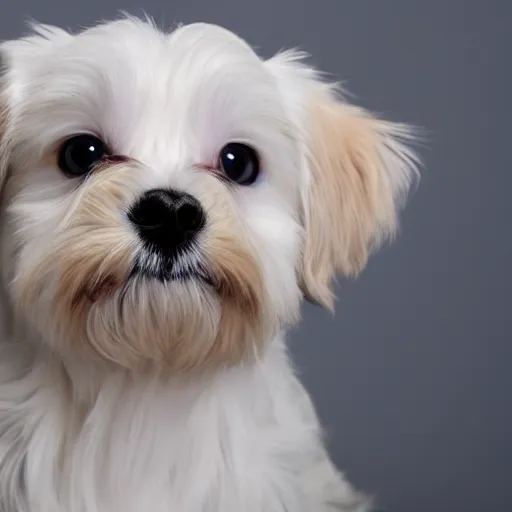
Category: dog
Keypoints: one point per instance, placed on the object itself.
(168, 201)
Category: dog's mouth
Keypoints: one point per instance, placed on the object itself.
(183, 266)
(151, 266)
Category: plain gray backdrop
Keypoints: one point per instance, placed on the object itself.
(413, 376)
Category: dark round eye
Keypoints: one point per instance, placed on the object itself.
(79, 154)
(240, 163)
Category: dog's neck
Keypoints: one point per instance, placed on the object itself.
(245, 438)
(84, 430)
(84, 379)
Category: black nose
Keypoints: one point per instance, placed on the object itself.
(167, 218)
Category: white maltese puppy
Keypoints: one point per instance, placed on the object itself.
(167, 201)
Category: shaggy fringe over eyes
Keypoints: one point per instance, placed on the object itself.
(359, 168)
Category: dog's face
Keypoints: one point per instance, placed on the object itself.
(169, 198)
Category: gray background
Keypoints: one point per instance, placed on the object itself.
(412, 378)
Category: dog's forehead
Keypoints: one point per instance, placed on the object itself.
(142, 44)
(126, 78)
(139, 53)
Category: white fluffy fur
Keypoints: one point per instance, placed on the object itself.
(76, 437)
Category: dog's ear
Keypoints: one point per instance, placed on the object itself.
(4, 117)
(357, 172)
(20, 59)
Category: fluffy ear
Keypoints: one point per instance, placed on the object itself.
(357, 172)
(4, 118)
(19, 59)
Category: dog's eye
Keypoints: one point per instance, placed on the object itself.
(79, 154)
(240, 163)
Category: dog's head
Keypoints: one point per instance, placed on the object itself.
(169, 198)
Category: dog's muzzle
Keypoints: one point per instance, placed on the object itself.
(168, 223)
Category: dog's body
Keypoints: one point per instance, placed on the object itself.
(243, 440)
(167, 201)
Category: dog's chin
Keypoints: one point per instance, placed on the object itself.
(162, 317)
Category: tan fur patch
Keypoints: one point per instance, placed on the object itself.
(243, 327)
(351, 202)
(88, 262)
(241, 289)
(4, 143)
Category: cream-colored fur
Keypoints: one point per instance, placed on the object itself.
(124, 393)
